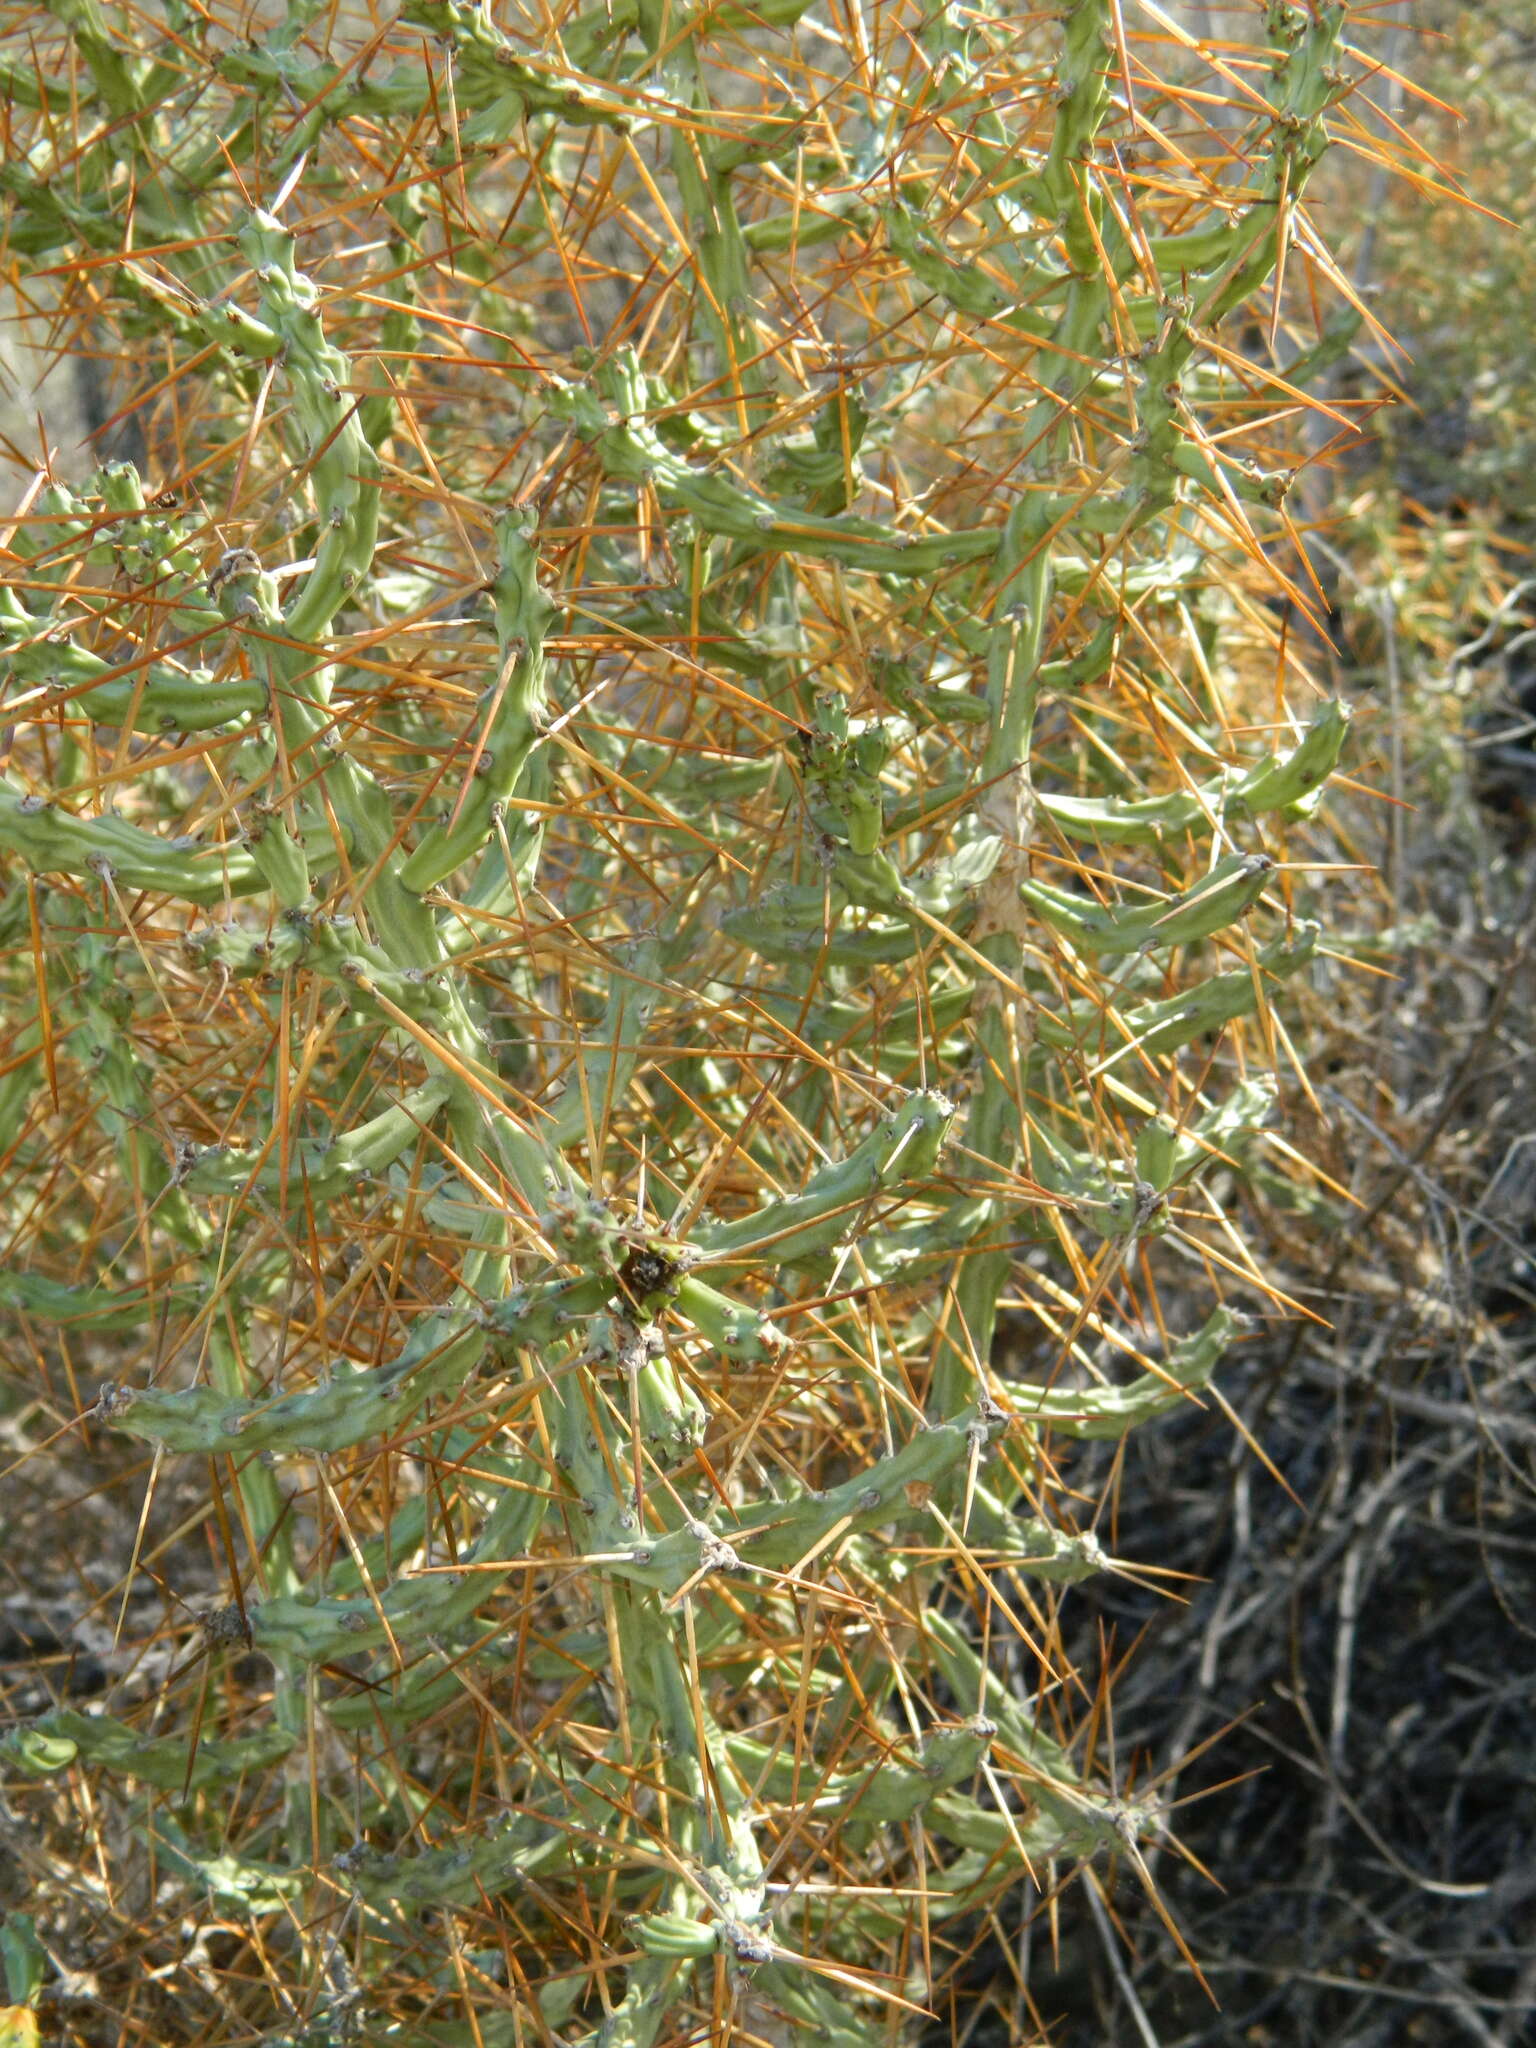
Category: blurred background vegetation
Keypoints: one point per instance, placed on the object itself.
(1368, 1622)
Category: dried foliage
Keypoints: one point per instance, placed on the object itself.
(653, 849)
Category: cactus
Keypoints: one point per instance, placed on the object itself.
(643, 820)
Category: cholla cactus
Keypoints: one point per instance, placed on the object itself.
(646, 817)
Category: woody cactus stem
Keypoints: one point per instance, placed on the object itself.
(630, 894)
